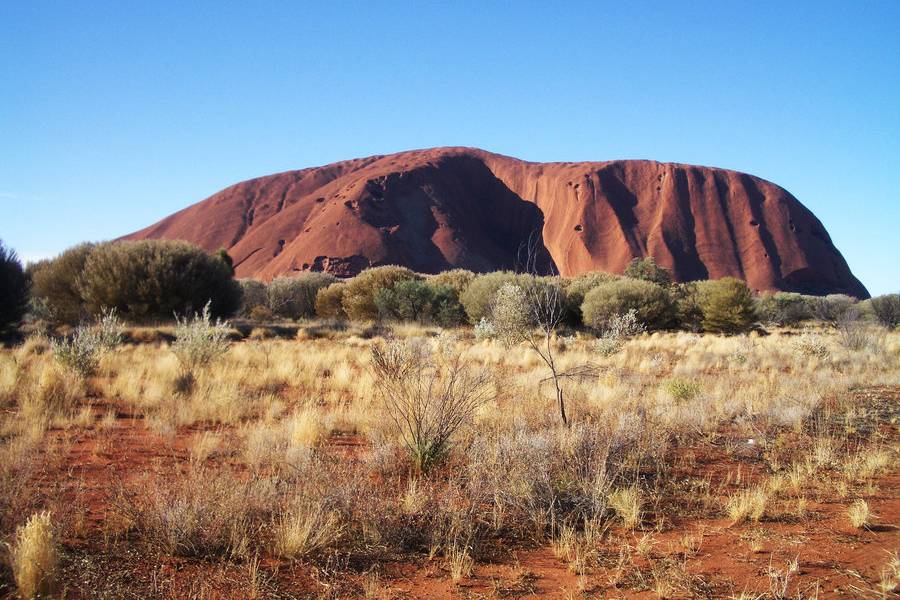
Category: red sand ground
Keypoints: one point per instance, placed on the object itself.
(441, 208)
(835, 560)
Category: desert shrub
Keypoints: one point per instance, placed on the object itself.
(34, 558)
(446, 309)
(831, 308)
(199, 341)
(260, 312)
(649, 300)
(458, 279)
(295, 297)
(253, 294)
(811, 345)
(14, 288)
(681, 389)
(421, 301)
(686, 301)
(407, 300)
(428, 395)
(155, 279)
(576, 288)
(646, 269)
(482, 290)
(484, 330)
(55, 284)
(727, 305)
(886, 309)
(783, 308)
(856, 334)
(358, 299)
(330, 301)
(81, 352)
(616, 331)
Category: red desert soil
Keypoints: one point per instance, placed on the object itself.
(835, 560)
(437, 209)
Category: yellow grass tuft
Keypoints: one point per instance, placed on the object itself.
(34, 557)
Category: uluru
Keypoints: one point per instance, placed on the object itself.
(443, 208)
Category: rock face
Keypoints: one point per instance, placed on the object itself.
(442, 208)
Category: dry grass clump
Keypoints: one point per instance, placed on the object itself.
(305, 528)
(859, 514)
(34, 558)
(628, 506)
(747, 505)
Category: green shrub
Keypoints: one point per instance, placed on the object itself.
(681, 389)
(295, 297)
(55, 284)
(686, 299)
(14, 288)
(358, 299)
(457, 279)
(408, 300)
(480, 293)
(646, 269)
(783, 308)
(446, 309)
(576, 289)
(155, 279)
(650, 302)
(253, 294)
(887, 309)
(727, 305)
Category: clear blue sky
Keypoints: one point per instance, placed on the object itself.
(113, 115)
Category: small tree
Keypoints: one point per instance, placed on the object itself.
(55, 284)
(515, 315)
(14, 288)
(295, 297)
(887, 309)
(408, 300)
(646, 269)
(428, 395)
(727, 305)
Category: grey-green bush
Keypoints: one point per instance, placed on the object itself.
(887, 309)
(727, 305)
(483, 289)
(253, 294)
(783, 308)
(55, 284)
(330, 301)
(358, 299)
(295, 297)
(649, 300)
(458, 279)
(14, 288)
(576, 289)
(831, 308)
(155, 279)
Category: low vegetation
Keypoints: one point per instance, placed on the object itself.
(572, 441)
